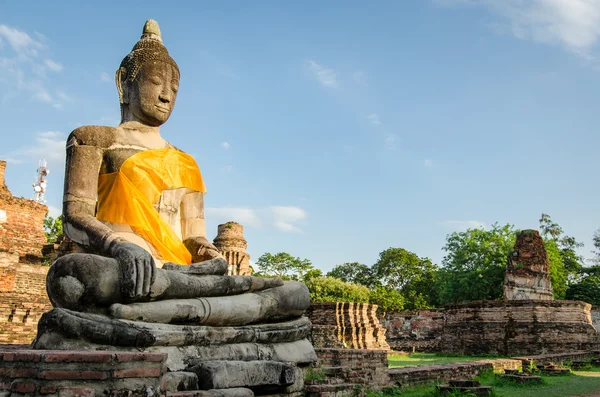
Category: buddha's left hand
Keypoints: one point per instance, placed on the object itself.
(201, 249)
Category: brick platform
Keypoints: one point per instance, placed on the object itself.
(409, 376)
(80, 373)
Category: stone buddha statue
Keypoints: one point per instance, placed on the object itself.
(145, 275)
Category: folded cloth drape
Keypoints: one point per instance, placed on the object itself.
(127, 196)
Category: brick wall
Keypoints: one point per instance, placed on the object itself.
(419, 330)
(81, 373)
(518, 327)
(346, 325)
(23, 300)
(357, 366)
(22, 233)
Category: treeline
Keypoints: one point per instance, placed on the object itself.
(473, 268)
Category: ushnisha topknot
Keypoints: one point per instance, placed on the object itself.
(149, 48)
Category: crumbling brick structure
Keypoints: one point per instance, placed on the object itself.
(346, 325)
(23, 297)
(231, 243)
(21, 227)
(527, 274)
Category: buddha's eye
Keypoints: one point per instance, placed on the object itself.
(175, 88)
(155, 80)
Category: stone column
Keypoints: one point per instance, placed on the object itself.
(231, 243)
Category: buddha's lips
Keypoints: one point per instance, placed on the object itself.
(162, 109)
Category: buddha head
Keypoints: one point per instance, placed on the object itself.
(148, 80)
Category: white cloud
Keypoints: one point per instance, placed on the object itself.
(245, 216)
(23, 70)
(48, 145)
(105, 77)
(374, 119)
(327, 77)
(54, 66)
(54, 211)
(225, 145)
(573, 24)
(283, 218)
(464, 225)
(428, 163)
(390, 141)
(18, 40)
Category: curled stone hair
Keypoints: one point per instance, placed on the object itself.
(148, 48)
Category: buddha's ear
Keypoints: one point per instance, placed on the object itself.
(120, 76)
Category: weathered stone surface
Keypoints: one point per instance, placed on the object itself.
(234, 392)
(518, 327)
(346, 325)
(181, 381)
(419, 330)
(228, 374)
(216, 266)
(527, 274)
(100, 329)
(231, 243)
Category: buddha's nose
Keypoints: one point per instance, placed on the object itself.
(165, 96)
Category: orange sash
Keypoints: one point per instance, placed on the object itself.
(127, 196)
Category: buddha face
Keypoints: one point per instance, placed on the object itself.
(153, 92)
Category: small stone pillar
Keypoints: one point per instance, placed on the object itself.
(231, 243)
(527, 274)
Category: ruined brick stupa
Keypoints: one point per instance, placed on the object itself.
(527, 320)
(527, 271)
(232, 245)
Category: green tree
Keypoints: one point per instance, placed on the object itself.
(53, 228)
(567, 270)
(403, 271)
(548, 228)
(475, 263)
(352, 272)
(388, 300)
(596, 243)
(283, 265)
(556, 268)
(588, 288)
(329, 289)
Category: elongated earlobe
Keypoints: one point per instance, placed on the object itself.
(121, 87)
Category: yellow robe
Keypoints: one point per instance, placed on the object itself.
(127, 196)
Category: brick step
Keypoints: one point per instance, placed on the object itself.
(320, 390)
(328, 381)
(335, 372)
(234, 392)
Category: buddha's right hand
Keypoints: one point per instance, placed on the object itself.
(137, 269)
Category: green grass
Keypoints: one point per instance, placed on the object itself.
(399, 360)
(579, 383)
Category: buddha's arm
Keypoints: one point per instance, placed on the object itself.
(193, 228)
(79, 200)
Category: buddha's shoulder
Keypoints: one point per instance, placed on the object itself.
(93, 135)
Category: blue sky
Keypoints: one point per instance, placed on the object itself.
(334, 130)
